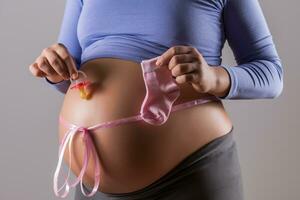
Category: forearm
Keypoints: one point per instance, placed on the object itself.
(222, 82)
(258, 79)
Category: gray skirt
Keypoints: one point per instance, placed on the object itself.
(212, 172)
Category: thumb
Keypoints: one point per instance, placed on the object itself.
(73, 69)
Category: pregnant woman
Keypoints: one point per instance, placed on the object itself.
(154, 125)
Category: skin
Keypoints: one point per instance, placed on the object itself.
(55, 63)
(185, 62)
(134, 155)
(188, 65)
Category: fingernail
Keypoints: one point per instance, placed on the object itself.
(158, 62)
(74, 76)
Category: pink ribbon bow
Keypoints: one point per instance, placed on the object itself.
(89, 147)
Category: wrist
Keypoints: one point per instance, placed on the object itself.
(221, 82)
(54, 80)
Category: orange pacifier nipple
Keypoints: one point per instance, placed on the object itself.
(80, 83)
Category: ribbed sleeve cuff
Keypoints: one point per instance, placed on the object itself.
(61, 86)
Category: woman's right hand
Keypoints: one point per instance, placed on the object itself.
(55, 63)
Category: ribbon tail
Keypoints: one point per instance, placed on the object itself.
(91, 147)
(85, 163)
(86, 159)
(97, 168)
(70, 134)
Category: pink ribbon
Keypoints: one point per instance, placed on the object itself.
(89, 146)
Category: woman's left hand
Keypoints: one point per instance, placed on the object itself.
(188, 66)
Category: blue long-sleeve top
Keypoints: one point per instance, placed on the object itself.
(138, 29)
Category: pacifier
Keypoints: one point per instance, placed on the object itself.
(80, 84)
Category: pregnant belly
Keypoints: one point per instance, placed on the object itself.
(136, 154)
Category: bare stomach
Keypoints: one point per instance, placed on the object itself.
(136, 154)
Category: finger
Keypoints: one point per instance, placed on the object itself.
(185, 78)
(34, 69)
(175, 50)
(66, 57)
(44, 66)
(57, 64)
(183, 68)
(200, 59)
(181, 58)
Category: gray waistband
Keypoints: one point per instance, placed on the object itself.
(201, 156)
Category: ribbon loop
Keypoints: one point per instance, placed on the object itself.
(89, 147)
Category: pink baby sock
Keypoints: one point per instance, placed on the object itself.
(161, 92)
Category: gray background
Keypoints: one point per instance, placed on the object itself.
(266, 130)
